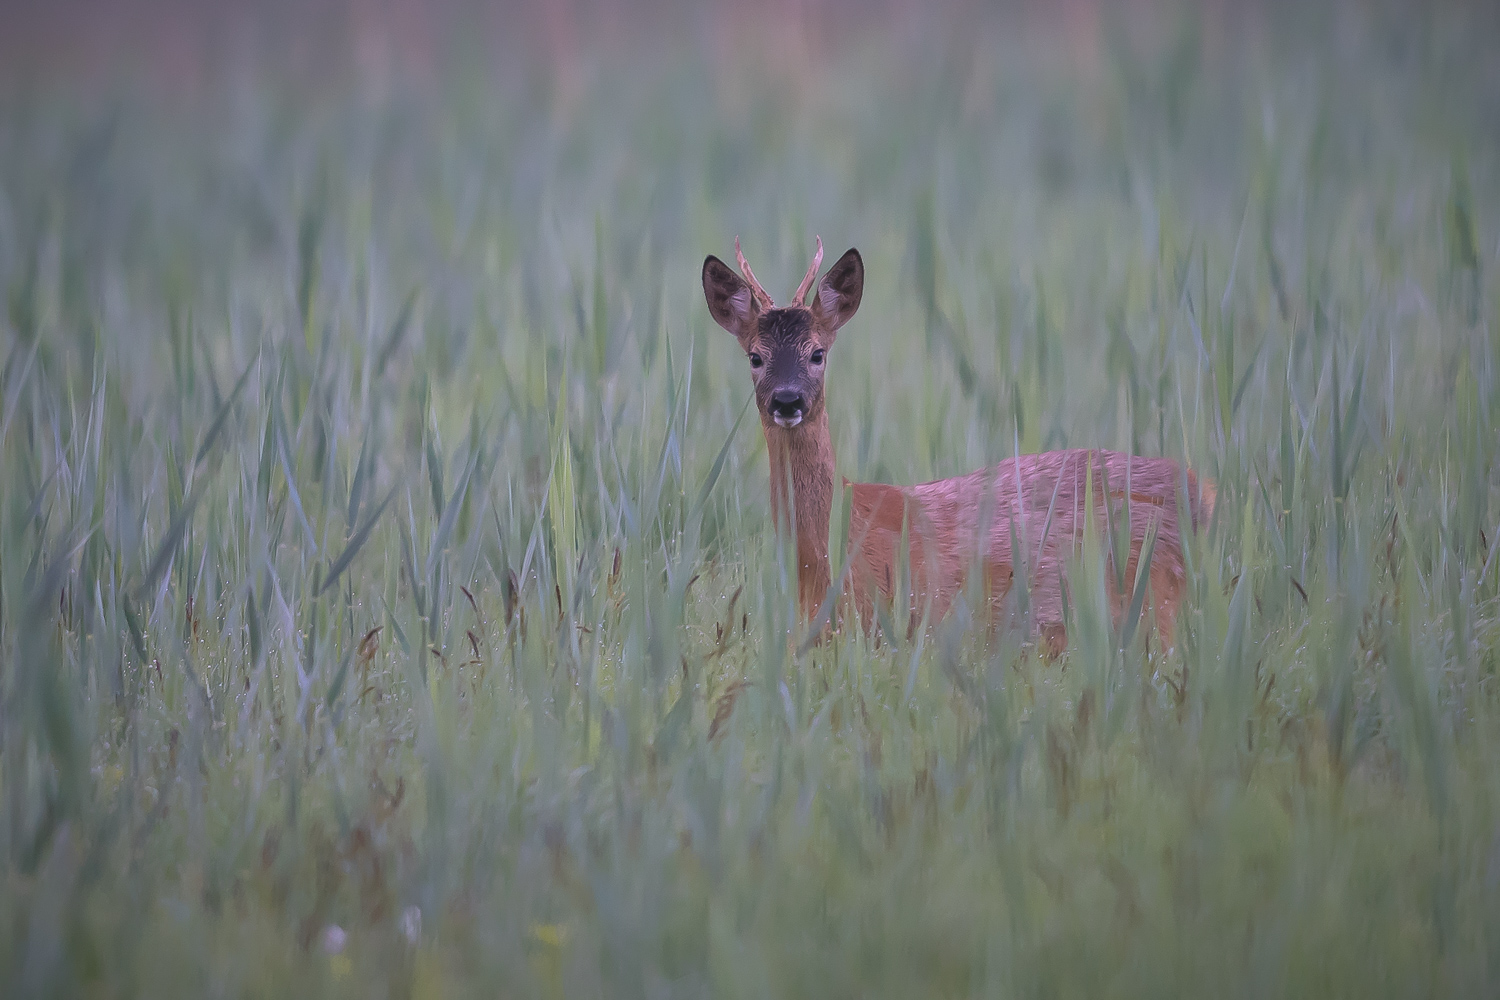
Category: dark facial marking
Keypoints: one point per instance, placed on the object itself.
(786, 336)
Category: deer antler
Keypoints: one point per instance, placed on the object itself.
(811, 276)
(760, 293)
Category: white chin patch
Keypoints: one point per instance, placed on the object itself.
(788, 422)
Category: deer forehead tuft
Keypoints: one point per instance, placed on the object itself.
(787, 325)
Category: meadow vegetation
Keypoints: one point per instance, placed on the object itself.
(385, 542)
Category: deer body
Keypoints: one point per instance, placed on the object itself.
(954, 527)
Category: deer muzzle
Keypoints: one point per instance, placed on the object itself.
(788, 407)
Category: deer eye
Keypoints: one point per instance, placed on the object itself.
(756, 360)
(817, 356)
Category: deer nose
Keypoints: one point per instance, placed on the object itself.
(787, 402)
(787, 407)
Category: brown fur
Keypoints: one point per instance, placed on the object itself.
(953, 526)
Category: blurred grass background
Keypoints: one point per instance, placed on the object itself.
(387, 602)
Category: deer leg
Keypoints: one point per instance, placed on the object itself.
(1166, 596)
(1047, 598)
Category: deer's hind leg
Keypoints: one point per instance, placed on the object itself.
(1046, 597)
(1167, 585)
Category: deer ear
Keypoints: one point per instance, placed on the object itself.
(839, 292)
(730, 301)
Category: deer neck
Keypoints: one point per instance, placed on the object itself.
(805, 455)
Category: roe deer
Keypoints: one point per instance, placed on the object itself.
(1036, 498)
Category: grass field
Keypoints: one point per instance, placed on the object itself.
(388, 597)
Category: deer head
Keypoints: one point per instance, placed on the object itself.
(787, 345)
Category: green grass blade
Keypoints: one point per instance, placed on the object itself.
(356, 542)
